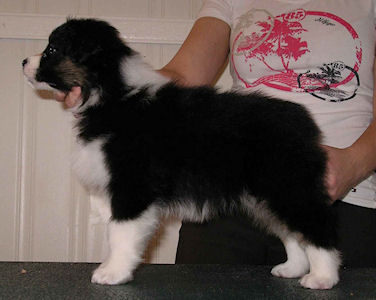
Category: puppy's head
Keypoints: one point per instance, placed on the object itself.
(81, 52)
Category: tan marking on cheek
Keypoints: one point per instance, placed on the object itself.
(72, 74)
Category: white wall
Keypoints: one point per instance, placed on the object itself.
(45, 215)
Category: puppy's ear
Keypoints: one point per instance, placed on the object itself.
(93, 54)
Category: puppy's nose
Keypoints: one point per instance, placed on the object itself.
(24, 62)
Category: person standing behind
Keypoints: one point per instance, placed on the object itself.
(316, 53)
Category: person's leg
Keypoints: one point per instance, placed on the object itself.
(236, 240)
(228, 240)
(357, 235)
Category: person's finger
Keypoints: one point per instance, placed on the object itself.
(73, 97)
(59, 96)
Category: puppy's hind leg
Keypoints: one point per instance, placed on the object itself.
(297, 263)
(318, 226)
(321, 263)
(320, 240)
(324, 264)
(127, 240)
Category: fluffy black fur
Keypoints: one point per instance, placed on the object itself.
(191, 144)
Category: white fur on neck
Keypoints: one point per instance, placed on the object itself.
(138, 74)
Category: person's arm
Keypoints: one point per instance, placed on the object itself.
(198, 61)
(202, 55)
(349, 166)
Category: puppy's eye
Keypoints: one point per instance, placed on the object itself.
(49, 51)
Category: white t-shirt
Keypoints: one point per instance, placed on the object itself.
(318, 53)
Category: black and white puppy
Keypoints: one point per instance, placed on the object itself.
(152, 148)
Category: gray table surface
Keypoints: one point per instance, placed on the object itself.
(72, 281)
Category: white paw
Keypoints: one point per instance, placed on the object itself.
(312, 281)
(106, 274)
(289, 270)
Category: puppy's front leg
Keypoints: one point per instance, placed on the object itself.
(127, 240)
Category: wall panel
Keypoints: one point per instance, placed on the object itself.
(11, 6)
(66, 7)
(10, 156)
(121, 8)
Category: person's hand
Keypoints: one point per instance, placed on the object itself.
(341, 175)
(70, 99)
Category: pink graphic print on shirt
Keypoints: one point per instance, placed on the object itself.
(276, 42)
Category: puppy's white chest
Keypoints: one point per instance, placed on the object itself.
(88, 163)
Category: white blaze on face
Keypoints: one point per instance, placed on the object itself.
(30, 68)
